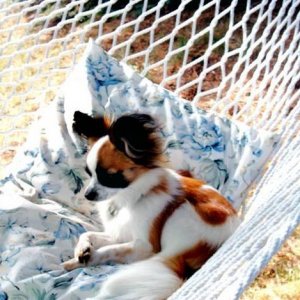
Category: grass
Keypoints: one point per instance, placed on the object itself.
(281, 277)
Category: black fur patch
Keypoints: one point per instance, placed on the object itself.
(116, 180)
(88, 126)
(137, 132)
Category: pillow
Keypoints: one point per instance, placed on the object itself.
(226, 154)
(42, 207)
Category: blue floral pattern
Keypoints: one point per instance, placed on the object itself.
(42, 208)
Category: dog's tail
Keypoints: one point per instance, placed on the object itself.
(149, 279)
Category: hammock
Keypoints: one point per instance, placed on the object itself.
(234, 59)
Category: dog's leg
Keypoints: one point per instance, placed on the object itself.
(72, 264)
(88, 242)
(130, 195)
(121, 253)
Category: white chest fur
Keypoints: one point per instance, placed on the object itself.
(134, 222)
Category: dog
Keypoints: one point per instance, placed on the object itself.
(164, 225)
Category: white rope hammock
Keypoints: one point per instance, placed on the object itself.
(240, 59)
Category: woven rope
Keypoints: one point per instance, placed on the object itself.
(239, 60)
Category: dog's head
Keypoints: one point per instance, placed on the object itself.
(119, 151)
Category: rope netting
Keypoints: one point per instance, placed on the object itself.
(240, 59)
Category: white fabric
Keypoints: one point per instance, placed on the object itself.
(259, 67)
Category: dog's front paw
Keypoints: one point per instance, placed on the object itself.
(84, 249)
(84, 254)
(71, 264)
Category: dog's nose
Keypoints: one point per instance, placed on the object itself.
(91, 195)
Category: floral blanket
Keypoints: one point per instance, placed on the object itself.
(42, 208)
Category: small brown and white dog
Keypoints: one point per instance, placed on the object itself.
(163, 224)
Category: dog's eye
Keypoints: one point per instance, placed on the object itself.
(88, 170)
(111, 171)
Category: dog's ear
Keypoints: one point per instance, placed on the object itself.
(89, 127)
(136, 135)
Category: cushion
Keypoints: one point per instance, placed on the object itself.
(228, 155)
(42, 207)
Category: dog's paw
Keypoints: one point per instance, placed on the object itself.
(84, 250)
(84, 254)
(71, 264)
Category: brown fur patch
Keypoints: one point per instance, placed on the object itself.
(186, 263)
(91, 141)
(185, 173)
(113, 160)
(162, 187)
(209, 204)
(160, 221)
(107, 122)
(135, 172)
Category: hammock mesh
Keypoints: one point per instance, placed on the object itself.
(240, 59)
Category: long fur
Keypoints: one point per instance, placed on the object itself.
(165, 225)
(135, 136)
(149, 279)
